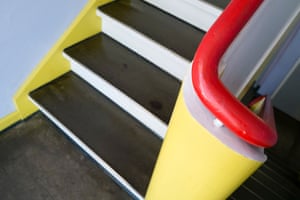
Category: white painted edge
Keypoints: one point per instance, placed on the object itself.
(118, 97)
(89, 151)
(197, 13)
(161, 56)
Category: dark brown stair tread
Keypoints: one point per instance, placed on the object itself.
(126, 145)
(243, 193)
(277, 187)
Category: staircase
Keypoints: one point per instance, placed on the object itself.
(116, 102)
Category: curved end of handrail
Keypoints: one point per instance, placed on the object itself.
(208, 86)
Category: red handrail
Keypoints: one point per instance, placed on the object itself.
(208, 86)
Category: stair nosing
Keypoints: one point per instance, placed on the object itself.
(266, 187)
(115, 175)
(121, 99)
(250, 191)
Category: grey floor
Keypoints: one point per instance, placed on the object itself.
(38, 163)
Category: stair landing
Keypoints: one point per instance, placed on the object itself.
(39, 163)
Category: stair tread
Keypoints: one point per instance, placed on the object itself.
(166, 30)
(126, 145)
(262, 190)
(286, 182)
(266, 184)
(149, 86)
(244, 193)
(281, 166)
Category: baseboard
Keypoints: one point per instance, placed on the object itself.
(9, 120)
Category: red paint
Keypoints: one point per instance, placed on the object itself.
(208, 86)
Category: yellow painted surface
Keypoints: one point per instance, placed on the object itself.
(194, 165)
(54, 64)
(9, 120)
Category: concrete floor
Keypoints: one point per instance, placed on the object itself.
(39, 163)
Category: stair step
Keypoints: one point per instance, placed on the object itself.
(280, 177)
(244, 193)
(166, 41)
(262, 190)
(142, 82)
(275, 185)
(280, 167)
(120, 144)
(266, 183)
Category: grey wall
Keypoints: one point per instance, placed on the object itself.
(28, 30)
(282, 79)
(287, 98)
(282, 62)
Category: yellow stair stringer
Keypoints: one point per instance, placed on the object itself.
(53, 65)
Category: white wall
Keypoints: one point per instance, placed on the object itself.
(28, 30)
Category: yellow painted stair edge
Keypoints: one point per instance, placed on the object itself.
(53, 65)
(8, 120)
